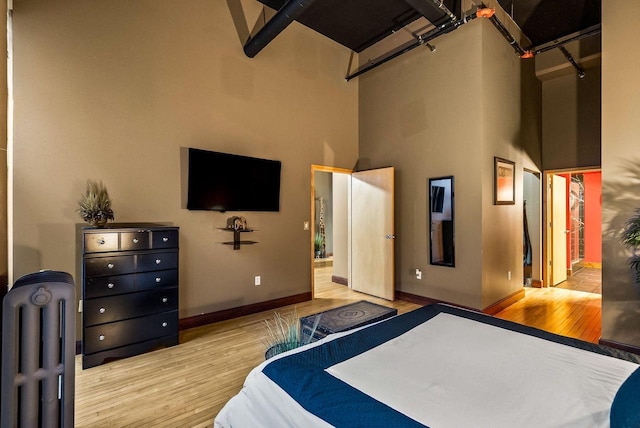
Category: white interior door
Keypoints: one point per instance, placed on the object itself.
(372, 232)
(558, 229)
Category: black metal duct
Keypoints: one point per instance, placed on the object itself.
(433, 10)
(538, 50)
(422, 40)
(285, 16)
(572, 61)
(509, 38)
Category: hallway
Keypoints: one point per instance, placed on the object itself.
(586, 279)
(557, 310)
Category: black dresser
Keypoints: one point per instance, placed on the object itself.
(129, 292)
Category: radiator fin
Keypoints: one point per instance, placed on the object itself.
(38, 342)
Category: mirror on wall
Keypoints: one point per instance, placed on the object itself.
(441, 236)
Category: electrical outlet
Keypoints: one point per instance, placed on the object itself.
(305, 225)
(257, 280)
(509, 275)
(418, 274)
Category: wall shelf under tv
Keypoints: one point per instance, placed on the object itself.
(237, 242)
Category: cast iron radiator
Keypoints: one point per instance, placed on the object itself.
(38, 344)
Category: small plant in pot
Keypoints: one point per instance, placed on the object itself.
(631, 239)
(283, 333)
(318, 242)
(95, 204)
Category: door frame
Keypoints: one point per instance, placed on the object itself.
(546, 214)
(536, 228)
(312, 223)
(557, 265)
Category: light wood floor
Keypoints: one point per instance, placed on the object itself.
(187, 385)
(565, 312)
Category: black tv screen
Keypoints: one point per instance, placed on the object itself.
(227, 182)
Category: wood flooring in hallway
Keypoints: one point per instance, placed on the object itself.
(565, 312)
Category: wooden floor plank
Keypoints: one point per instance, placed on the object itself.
(566, 312)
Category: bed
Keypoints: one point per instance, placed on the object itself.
(441, 366)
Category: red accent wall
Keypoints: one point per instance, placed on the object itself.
(593, 217)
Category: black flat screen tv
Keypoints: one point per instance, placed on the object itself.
(228, 182)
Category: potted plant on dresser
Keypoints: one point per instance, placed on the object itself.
(95, 204)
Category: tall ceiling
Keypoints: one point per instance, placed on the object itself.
(544, 21)
(380, 30)
(359, 24)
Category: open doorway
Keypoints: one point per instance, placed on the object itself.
(532, 219)
(574, 239)
(360, 250)
(329, 228)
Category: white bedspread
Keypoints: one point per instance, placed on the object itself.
(454, 372)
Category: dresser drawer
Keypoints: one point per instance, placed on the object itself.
(109, 285)
(164, 239)
(157, 261)
(155, 280)
(135, 348)
(116, 308)
(100, 242)
(134, 240)
(102, 337)
(101, 266)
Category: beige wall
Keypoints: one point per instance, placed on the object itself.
(113, 90)
(571, 120)
(620, 169)
(510, 130)
(418, 114)
(449, 113)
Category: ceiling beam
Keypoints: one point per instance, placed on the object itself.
(281, 20)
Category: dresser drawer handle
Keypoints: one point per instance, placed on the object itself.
(110, 285)
(110, 265)
(158, 261)
(135, 240)
(158, 279)
(165, 300)
(101, 337)
(165, 239)
(164, 324)
(101, 241)
(102, 310)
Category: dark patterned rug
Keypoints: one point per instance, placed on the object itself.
(317, 326)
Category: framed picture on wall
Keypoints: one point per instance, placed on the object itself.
(504, 182)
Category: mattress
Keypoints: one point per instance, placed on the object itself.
(440, 366)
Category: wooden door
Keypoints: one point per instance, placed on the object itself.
(558, 232)
(372, 232)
